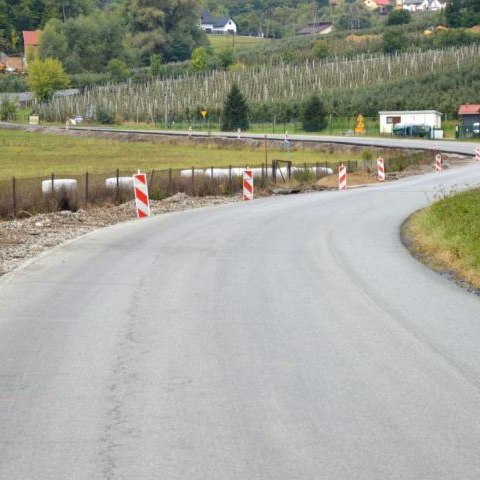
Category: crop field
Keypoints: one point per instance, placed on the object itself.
(183, 97)
(33, 155)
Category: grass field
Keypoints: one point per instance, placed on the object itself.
(220, 42)
(446, 235)
(33, 155)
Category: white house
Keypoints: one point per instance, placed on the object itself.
(388, 119)
(423, 5)
(218, 25)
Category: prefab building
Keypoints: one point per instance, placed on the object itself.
(431, 118)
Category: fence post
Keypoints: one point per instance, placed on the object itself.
(14, 193)
(86, 190)
(193, 181)
(150, 181)
(117, 188)
(266, 150)
(317, 170)
(230, 186)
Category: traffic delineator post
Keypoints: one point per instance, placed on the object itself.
(248, 184)
(342, 177)
(380, 169)
(438, 163)
(477, 154)
(142, 202)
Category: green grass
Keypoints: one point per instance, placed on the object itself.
(220, 42)
(32, 155)
(447, 234)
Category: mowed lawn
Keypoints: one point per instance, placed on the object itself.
(37, 154)
(220, 42)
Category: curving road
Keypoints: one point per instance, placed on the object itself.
(284, 338)
(447, 146)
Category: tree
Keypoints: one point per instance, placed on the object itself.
(118, 70)
(393, 40)
(313, 115)
(226, 57)
(165, 27)
(84, 43)
(462, 13)
(199, 61)
(399, 17)
(155, 65)
(45, 77)
(235, 111)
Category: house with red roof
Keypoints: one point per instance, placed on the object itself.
(383, 6)
(31, 42)
(470, 118)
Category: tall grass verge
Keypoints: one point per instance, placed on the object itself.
(446, 235)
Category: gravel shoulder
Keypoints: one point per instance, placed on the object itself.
(23, 239)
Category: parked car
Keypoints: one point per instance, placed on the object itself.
(411, 130)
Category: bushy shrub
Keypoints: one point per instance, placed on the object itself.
(8, 110)
(104, 116)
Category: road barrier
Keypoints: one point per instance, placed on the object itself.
(380, 169)
(248, 184)
(342, 177)
(438, 163)
(142, 202)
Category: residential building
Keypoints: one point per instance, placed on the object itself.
(219, 25)
(422, 5)
(469, 117)
(31, 42)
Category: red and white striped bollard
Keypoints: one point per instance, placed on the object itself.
(142, 202)
(248, 184)
(477, 154)
(380, 169)
(438, 163)
(342, 177)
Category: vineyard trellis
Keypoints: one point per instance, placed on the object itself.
(182, 97)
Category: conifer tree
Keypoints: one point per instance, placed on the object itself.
(235, 111)
(314, 117)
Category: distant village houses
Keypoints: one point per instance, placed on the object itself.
(384, 6)
(217, 25)
(422, 5)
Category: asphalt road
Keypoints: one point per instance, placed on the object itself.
(448, 146)
(284, 338)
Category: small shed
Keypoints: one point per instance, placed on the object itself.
(469, 114)
(388, 119)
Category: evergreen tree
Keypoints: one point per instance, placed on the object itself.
(235, 111)
(314, 115)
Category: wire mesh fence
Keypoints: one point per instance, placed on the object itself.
(28, 196)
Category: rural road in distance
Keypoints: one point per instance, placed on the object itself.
(284, 338)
